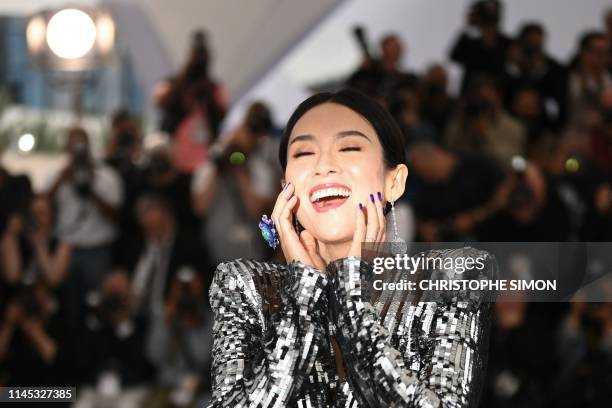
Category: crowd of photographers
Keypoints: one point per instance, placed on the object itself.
(105, 273)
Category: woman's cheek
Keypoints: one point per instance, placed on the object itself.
(301, 212)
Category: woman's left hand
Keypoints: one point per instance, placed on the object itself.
(370, 225)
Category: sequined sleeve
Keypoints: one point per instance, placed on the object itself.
(452, 350)
(253, 369)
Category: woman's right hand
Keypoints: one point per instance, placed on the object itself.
(302, 247)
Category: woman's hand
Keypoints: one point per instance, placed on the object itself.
(370, 225)
(302, 247)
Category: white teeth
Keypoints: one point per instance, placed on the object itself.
(328, 192)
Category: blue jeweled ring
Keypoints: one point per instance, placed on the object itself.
(268, 231)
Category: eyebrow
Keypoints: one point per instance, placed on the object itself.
(339, 135)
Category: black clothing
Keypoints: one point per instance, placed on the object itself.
(472, 183)
(475, 58)
(15, 195)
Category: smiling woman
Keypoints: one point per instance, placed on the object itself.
(349, 141)
(308, 333)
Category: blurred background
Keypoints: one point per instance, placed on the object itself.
(138, 149)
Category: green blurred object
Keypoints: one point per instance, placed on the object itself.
(237, 158)
(572, 165)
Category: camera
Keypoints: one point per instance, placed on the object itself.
(29, 221)
(475, 107)
(521, 195)
(529, 50)
(157, 166)
(434, 90)
(112, 304)
(188, 305)
(81, 169)
(29, 302)
(126, 140)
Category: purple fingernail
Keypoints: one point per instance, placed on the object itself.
(379, 196)
(372, 198)
(361, 206)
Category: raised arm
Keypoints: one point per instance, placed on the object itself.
(249, 370)
(455, 335)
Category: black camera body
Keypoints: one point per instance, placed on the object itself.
(521, 195)
(126, 139)
(157, 166)
(476, 106)
(188, 305)
(113, 304)
(29, 302)
(82, 170)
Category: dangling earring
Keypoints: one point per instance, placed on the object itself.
(398, 244)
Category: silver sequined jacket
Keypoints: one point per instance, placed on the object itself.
(272, 346)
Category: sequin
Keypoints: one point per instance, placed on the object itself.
(272, 346)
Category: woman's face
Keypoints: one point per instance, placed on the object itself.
(335, 161)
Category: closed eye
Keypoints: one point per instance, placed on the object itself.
(299, 154)
(351, 149)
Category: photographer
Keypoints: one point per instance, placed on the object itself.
(161, 177)
(87, 196)
(521, 367)
(35, 343)
(155, 258)
(452, 193)
(235, 187)
(532, 211)
(123, 149)
(379, 77)
(15, 194)
(600, 135)
(589, 77)
(405, 106)
(112, 363)
(481, 48)
(437, 105)
(584, 349)
(193, 105)
(124, 155)
(585, 187)
(32, 309)
(528, 107)
(529, 66)
(484, 127)
(29, 249)
(179, 343)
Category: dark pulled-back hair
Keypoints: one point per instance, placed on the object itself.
(387, 130)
